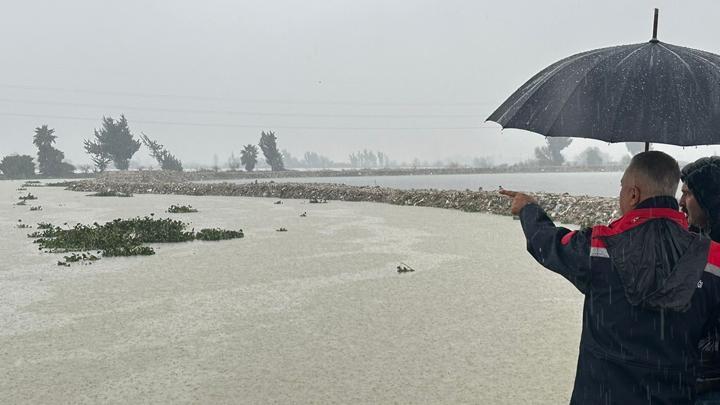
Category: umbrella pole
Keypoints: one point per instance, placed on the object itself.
(655, 23)
(654, 39)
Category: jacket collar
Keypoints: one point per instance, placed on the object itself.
(664, 201)
(664, 207)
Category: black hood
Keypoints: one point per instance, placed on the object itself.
(659, 262)
(702, 177)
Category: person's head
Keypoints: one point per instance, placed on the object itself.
(700, 199)
(650, 174)
(696, 216)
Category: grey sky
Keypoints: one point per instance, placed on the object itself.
(333, 77)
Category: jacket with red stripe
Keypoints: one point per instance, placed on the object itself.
(650, 286)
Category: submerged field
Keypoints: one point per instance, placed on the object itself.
(317, 314)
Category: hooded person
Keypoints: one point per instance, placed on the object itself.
(650, 287)
(700, 201)
(701, 195)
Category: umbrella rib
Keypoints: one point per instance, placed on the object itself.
(631, 54)
(699, 55)
(687, 65)
(577, 85)
(624, 90)
(614, 121)
(531, 91)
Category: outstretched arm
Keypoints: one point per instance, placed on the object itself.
(558, 249)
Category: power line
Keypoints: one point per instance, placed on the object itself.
(229, 112)
(255, 126)
(255, 101)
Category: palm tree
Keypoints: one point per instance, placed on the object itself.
(248, 156)
(50, 160)
(44, 137)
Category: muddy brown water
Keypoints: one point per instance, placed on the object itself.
(317, 314)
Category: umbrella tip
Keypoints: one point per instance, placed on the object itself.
(655, 25)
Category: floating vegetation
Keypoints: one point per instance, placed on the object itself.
(217, 234)
(281, 230)
(22, 189)
(304, 214)
(121, 237)
(79, 257)
(23, 202)
(404, 268)
(84, 258)
(30, 196)
(110, 193)
(181, 209)
(32, 183)
(318, 201)
(36, 208)
(129, 251)
(278, 202)
(23, 226)
(61, 184)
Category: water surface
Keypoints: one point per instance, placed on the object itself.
(317, 314)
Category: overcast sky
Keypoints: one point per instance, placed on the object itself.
(410, 78)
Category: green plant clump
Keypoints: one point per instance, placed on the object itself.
(181, 209)
(218, 234)
(78, 257)
(61, 184)
(110, 193)
(84, 258)
(122, 237)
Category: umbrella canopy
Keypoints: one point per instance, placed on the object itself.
(647, 92)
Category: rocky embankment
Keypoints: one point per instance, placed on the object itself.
(563, 208)
(206, 175)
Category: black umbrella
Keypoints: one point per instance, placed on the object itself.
(647, 92)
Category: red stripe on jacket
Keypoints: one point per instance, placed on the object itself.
(634, 218)
(566, 239)
(714, 254)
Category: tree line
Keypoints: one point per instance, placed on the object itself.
(550, 154)
(113, 144)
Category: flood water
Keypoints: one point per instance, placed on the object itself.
(605, 184)
(317, 314)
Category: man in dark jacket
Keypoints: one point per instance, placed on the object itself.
(649, 285)
(700, 201)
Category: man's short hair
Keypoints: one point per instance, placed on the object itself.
(657, 172)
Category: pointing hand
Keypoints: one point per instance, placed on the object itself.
(519, 200)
